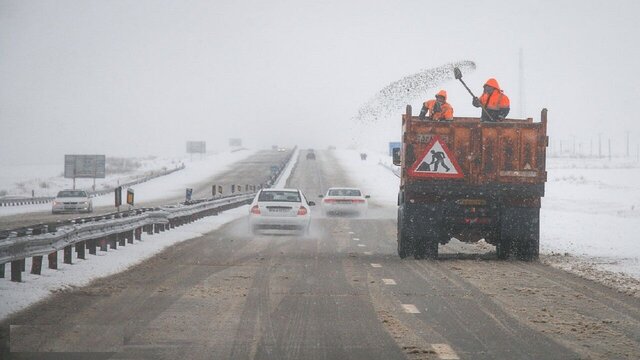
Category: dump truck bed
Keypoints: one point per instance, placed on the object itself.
(507, 152)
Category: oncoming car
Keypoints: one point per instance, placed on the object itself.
(72, 201)
(280, 210)
(342, 200)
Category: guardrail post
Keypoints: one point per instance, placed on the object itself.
(104, 244)
(149, 229)
(138, 233)
(129, 236)
(80, 250)
(113, 241)
(36, 265)
(122, 239)
(161, 227)
(53, 260)
(16, 270)
(67, 254)
(156, 228)
(91, 245)
(2, 271)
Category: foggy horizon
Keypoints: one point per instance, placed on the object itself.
(138, 78)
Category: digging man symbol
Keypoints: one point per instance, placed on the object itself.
(437, 158)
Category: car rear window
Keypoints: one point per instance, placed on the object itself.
(286, 196)
(72, 194)
(344, 192)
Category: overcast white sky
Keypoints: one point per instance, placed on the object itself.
(126, 78)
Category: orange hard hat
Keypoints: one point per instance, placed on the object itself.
(493, 83)
(442, 93)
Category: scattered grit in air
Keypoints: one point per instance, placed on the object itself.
(398, 94)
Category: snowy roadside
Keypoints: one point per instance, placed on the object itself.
(588, 219)
(17, 296)
(169, 186)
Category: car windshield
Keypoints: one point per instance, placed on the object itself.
(344, 192)
(72, 194)
(286, 196)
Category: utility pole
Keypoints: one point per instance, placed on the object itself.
(599, 145)
(627, 142)
(521, 82)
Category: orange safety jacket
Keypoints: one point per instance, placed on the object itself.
(497, 101)
(446, 110)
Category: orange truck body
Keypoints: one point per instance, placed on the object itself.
(493, 192)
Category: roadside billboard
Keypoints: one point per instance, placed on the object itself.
(196, 147)
(84, 166)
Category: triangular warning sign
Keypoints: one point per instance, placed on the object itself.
(436, 161)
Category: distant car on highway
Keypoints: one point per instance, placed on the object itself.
(344, 200)
(311, 155)
(286, 210)
(72, 201)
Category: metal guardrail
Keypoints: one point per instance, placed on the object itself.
(47, 199)
(105, 231)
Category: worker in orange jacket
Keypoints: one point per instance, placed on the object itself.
(494, 101)
(438, 109)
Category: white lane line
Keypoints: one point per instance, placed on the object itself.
(376, 265)
(445, 352)
(351, 233)
(362, 245)
(356, 239)
(410, 308)
(368, 253)
(389, 282)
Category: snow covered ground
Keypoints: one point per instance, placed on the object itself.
(589, 218)
(588, 221)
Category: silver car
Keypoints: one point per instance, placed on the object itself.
(72, 201)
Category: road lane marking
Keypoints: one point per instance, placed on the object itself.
(351, 233)
(362, 245)
(356, 239)
(410, 308)
(389, 282)
(445, 352)
(376, 265)
(368, 253)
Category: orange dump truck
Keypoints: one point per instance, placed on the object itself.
(471, 180)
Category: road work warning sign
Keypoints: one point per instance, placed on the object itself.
(436, 161)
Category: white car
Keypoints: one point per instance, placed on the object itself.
(72, 201)
(343, 200)
(279, 210)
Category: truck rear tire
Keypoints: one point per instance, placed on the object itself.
(405, 241)
(519, 234)
(426, 248)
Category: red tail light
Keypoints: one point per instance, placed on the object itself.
(357, 201)
(302, 211)
(329, 201)
(255, 210)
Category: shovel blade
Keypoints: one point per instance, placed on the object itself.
(457, 73)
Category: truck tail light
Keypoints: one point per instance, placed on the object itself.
(255, 210)
(302, 211)
(357, 201)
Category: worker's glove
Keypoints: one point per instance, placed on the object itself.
(437, 107)
(476, 102)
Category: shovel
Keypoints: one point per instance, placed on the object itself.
(458, 75)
